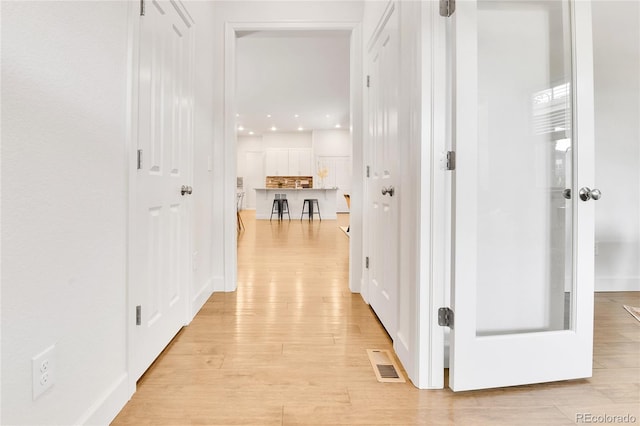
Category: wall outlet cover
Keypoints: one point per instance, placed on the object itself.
(43, 366)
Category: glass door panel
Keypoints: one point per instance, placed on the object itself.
(524, 166)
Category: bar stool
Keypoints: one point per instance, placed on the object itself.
(312, 207)
(280, 206)
(275, 207)
(284, 206)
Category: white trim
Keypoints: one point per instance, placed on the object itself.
(432, 243)
(605, 284)
(107, 407)
(391, 6)
(200, 298)
(230, 143)
(229, 149)
(133, 50)
(217, 284)
(357, 161)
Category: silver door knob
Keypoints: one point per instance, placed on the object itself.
(587, 194)
(388, 190)
(186, 190)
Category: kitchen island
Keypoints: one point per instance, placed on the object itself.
(326, 199)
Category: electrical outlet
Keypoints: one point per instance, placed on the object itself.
(43, 371)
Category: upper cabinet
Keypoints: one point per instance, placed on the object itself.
(277, 162)
(288, 162)
(300, 162)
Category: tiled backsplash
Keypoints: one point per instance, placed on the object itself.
(289, 182)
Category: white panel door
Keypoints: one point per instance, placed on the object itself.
(523, 241)
(383, 192)
(161, 223)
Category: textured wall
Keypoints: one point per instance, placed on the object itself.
(64, 205)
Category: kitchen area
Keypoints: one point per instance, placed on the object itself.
(303, 165)
(293, 121)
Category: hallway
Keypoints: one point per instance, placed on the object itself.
(289, 347)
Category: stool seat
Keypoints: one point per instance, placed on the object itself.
(312, 208)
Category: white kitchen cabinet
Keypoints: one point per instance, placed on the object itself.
(277, 162)
(300, 162)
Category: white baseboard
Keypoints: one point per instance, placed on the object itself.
(218, 283)
(106, 408)
(201, 297)
(617, 284)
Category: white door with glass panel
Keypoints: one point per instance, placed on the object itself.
(522, 292)
(161, 224)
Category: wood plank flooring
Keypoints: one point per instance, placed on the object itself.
(289, 347)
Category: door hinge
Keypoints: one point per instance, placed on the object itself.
(142, 8)
(366, 262)
(368, 81)
(447, 7)
(139, 159)
(368, 171)
(139, 315)
(445, 317)
(451, 161)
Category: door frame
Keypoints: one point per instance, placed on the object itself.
(356, 260)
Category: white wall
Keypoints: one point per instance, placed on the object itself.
(328, 143)
(64, 208)
(286, 140)
(616, 38)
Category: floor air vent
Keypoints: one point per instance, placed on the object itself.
(384, 366)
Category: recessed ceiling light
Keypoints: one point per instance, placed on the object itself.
(250, 133)
(237, 115)
(274, 128)
(327, 116)
(268, 115)
(338, 126)
(240, 128)
(296, 115)
(300, 129)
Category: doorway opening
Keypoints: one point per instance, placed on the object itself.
(298, 135)
(293, 144)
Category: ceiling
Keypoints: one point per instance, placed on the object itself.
(292, 81)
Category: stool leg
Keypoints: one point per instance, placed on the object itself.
(288, 214)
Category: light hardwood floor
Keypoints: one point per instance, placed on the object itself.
(289, 347)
